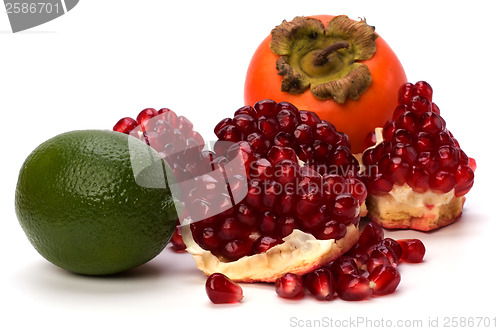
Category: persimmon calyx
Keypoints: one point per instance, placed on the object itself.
(324, 59)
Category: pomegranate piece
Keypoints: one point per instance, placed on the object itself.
(384, 279)
(352, 287)
(282, 195)
(321, 284)
(290, 286)
(221, 289)
(417, 149)
(413, 250)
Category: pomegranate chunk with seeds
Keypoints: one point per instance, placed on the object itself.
(419, 133)
(300, 175)
(415, 163)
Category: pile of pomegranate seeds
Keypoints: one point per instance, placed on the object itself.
(417, 149)
(369, 268)
(321, 195)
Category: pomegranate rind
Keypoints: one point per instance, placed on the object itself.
(412, 217)
(299, 253)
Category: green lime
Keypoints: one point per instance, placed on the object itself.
(95, 202)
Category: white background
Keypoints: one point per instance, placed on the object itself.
(108, 59)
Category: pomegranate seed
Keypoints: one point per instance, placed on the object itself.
(144, 116)
(422, 89)
(168, 115)
(435, 108)
(428, 162)
(287, 121)
(288, 201)
(268, 222)
(447, 156)
(330, 230)
(221, 289)
(359, 255)
(309, 118)
(259, 143)
(303, 134)
(277, 154)
(245, 123)
(229, 229)
(357, 189)
(321, 284)
(265, 107)
(268, 126)
(287, 106)
(384, 279)
(408, 121)
(264, 243)
(230, 133)
(261, 169)
(419, 105)
(375, 261)
(184, 125)
(125, 125)
(352, 287)
(370, 140)
(247, 215)
(237, 248)
(246, 110)
(310, 198)
(431, 123)
(207, 239)
(345, 207)
(405, 93)
(400, 109)
(425, 142)
(286, 225)
(378, 251)
(286, 172)
(413, 250)
(465, 178)
(283, 139)
(418, 180)
(372, 234)
(394, 245)
(290, 286)
(442, 181)
(176, 240)
(344, 265)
